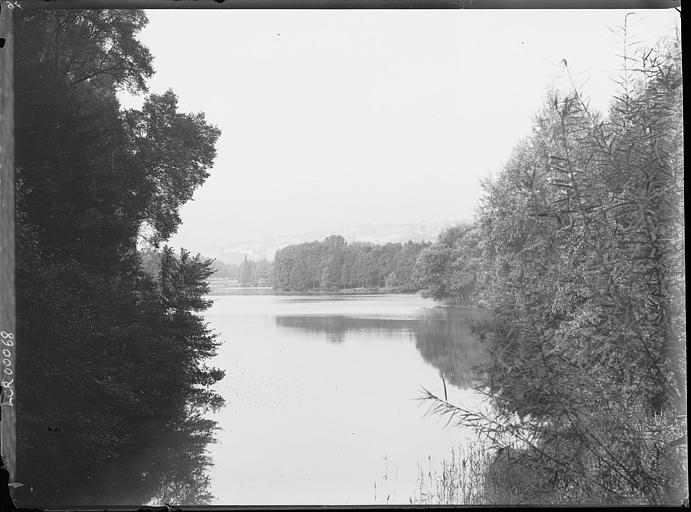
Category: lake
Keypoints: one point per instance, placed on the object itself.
(321, 408)
(321, 396)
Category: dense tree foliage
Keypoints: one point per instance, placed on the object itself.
(582, 276)
(112, 355)
(448, 270)
(333, 264)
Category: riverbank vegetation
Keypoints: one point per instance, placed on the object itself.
(461, 479)
(448, 270)
(577, 256)
(112, 353)
(334, 264)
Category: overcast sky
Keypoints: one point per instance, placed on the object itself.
(381, 117)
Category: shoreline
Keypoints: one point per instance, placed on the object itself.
(257, 290)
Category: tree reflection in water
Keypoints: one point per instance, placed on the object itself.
(164, 460)
(442, 336)
(89, 454)
(444, 339)
(335, 327)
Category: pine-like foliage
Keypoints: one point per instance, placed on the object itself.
(112, 368)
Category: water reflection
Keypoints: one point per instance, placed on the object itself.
(334, 410)
(442, 336)
(444, 339)
(163, 461)
(335, 327)
(321, 397)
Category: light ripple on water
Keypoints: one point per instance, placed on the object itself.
(309, 422)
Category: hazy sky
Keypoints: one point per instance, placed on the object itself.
(381, 117)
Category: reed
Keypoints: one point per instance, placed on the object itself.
(459, 479)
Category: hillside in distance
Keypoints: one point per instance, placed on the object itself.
(265, 248)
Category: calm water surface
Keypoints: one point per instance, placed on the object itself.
(321, 396)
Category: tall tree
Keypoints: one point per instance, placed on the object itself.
(95, 324)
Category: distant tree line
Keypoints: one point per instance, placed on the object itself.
(577, 257)
(255, 273)
(334, 264)
(225, 270)
(247, 273)
(113, 346)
